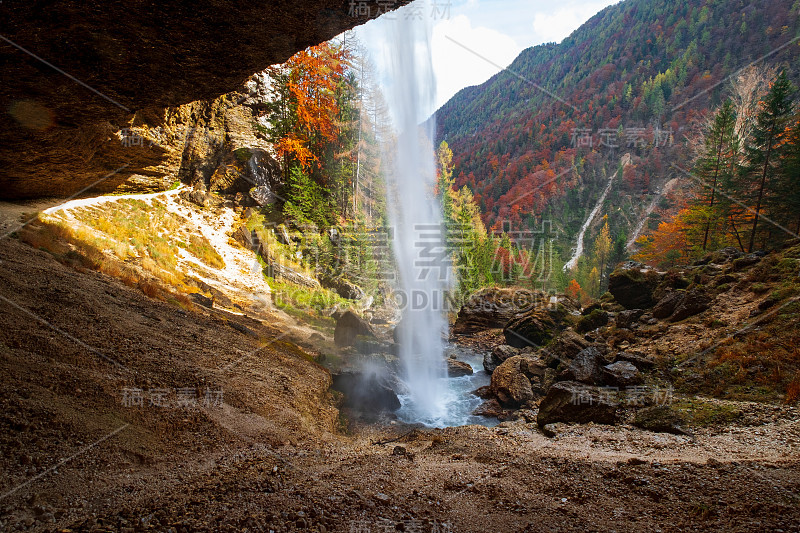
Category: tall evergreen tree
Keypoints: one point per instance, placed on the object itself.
(765, 148)
(790, 177)
(716, 167)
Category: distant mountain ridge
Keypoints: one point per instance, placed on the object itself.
(539, 140)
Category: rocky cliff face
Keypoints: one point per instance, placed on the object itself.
(76, 74)
(217, 146)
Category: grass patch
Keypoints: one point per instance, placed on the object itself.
(200, 248)
(704, 413)
(83, 249)
(149, 232)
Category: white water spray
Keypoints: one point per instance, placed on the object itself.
(424, 274)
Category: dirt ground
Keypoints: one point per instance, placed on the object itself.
(264, 449)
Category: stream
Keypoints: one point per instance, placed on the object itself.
(455, 394)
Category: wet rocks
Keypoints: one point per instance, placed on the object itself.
(564, 348)
(510, 385)
(349, 326)
(628, 318)
(496, 357)
(491, 408)
(457, 369)
(597, 318)
(366, 393)
(586, 366)
(632, 285)
(570, 401)
(519, 379)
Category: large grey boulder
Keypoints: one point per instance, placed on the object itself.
(570, 401)
(632, 285)
(586, 366)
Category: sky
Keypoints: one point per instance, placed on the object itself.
(471, 40)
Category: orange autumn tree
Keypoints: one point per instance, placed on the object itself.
(304, 113)
(574, 290)
(668, 245)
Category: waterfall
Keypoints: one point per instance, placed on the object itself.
(423, 272)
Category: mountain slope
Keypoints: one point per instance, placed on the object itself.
(538, 141)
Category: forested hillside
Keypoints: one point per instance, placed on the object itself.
(538, 143)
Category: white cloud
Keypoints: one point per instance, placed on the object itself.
(498, 30)
(460, 64)
(556, 26)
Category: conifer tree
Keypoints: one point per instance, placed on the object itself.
(764, 150)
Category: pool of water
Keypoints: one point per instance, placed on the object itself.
(456, 401)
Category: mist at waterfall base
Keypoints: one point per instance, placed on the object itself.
(430, 397)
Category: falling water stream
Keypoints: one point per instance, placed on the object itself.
(431, 397)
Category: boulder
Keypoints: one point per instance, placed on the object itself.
(595, 319)
(627, 319)
(693, 303)
(667, 305)
(726, 255)
(262, 195)
(496, 357)
(563, 348)
(632, 285)
(621, 374)
(586, 366)
(591, 307)
(660, 419)
(491, 408)
(349, 326)
(343, 287)
(520, 378)
(456, 369)
(492, 308)
(484, 392)
(536, 327)
(200, 198)
(366, 393)
(569, 401)
(510, 384)
(639, 361)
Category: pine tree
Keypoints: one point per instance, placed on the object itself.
(765, 147)
(790, 177)
(716, 167)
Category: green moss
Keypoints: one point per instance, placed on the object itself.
(759, 287)
(243, 155)
(703, 413)
(592, 321)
